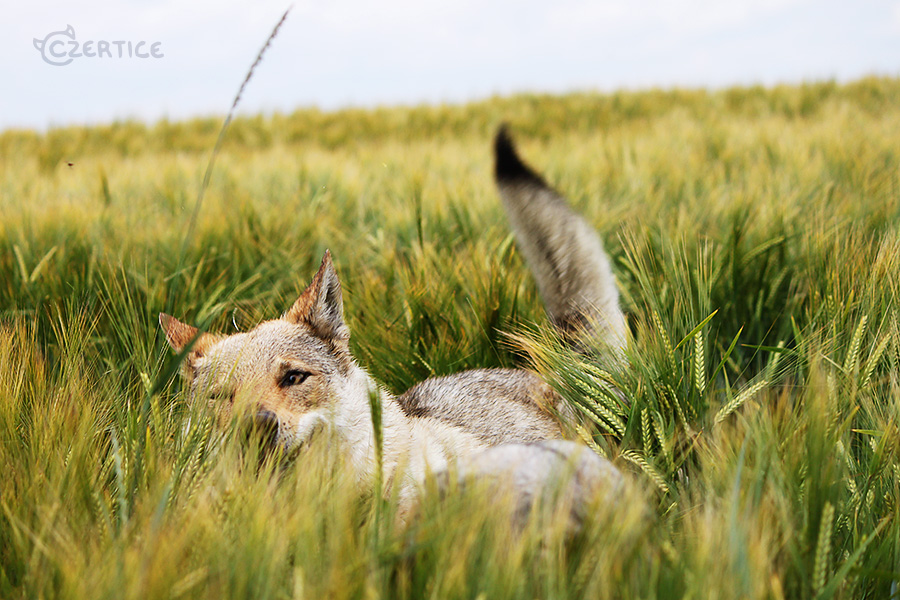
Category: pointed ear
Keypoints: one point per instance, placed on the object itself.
(321, 305)
(179, 335)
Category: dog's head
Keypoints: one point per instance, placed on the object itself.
(281, 378)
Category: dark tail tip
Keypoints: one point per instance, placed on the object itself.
(508, 167)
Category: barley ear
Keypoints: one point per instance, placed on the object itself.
(736, 402)
(823, 549)
(699, 364)
(851, 363)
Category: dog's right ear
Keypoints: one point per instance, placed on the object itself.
(321, 307)
(179, 335)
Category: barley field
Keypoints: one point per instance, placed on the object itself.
(754, 234)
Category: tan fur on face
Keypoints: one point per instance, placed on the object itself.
(243, 373)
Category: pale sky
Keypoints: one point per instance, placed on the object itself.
(365, 53)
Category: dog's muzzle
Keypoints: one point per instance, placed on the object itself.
(264, 427)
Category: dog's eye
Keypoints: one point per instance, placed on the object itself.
(293, 377)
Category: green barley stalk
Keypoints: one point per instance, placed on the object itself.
(20, 261)
(375, 410)
(670, 353)
(217, 147)
(851, 363)
(895, 336)
(699, 364)
(597, 391)
(740, 399)
(823, 549)
(589, 441)
(679, 410)
(377, 414)
(661, 436)
(604, 412)
(102, 510)
(601, 375)
(600, 416)
(634, 457)
(848, 460)
(873, 361)
(645, 430)
(840, 576)
(121, 485)
(195, 469)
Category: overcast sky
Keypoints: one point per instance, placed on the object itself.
(337, 53)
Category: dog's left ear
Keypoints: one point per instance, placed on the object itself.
(321, 306)
(179, 335)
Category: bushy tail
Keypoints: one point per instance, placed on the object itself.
(564, 252)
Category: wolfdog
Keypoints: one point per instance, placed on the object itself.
(294, 376)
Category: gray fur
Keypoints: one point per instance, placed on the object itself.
(548, 473)
(496, 405)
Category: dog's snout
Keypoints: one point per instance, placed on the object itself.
(264, 425)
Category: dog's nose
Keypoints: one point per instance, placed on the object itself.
(264, 426)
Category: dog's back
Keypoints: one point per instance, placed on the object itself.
(497, 406)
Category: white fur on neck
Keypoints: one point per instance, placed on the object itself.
(411, 447)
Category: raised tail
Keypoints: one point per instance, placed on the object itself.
(565, 253)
